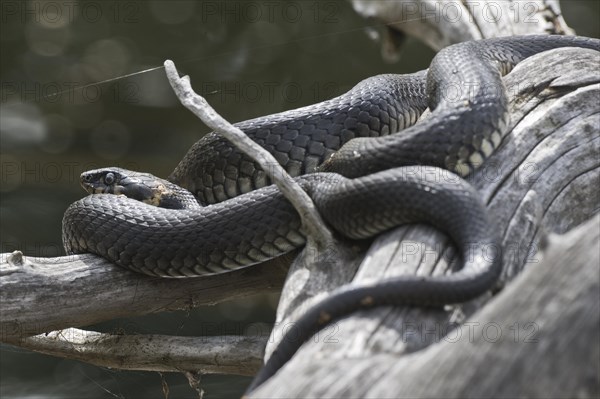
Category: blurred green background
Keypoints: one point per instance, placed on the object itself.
(247, 58)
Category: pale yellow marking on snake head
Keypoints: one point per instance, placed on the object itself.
(156, 198)
(154, 201)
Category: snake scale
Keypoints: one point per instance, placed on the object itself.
(365, 185)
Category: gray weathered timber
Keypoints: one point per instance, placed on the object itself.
(39, 295)
(537, 338)
(240, 355)
(542, 179)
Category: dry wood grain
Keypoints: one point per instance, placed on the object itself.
(547, 164)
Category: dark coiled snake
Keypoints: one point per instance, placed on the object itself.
(366, 185)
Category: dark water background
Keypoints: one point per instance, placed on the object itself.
(247, 58)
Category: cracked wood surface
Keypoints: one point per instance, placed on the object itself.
(537, 338)
(543, 179)
(39, 295)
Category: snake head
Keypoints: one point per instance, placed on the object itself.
(142, 187)
(139, 186)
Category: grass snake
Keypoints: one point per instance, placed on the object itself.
(235, 218)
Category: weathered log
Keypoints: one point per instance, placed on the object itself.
(240, 355)
(39, 295)
(547, 163)
(537, 338)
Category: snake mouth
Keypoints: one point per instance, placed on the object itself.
(99, 188)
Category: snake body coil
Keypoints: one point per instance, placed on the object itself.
(352, 136)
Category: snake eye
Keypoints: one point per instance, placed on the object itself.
(87, 178)
(109, 178)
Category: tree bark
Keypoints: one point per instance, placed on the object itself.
(39, 295)
(537, 338)
(543, 179)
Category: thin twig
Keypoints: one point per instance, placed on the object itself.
(311, 220)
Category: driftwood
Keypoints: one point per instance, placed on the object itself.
(537, 338)
(44, 294)
(40, 295)
(240, 355)
(545, 165)
(542, 180)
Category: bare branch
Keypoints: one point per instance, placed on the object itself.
(39, 295)
(311, 220)
(240, 355)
